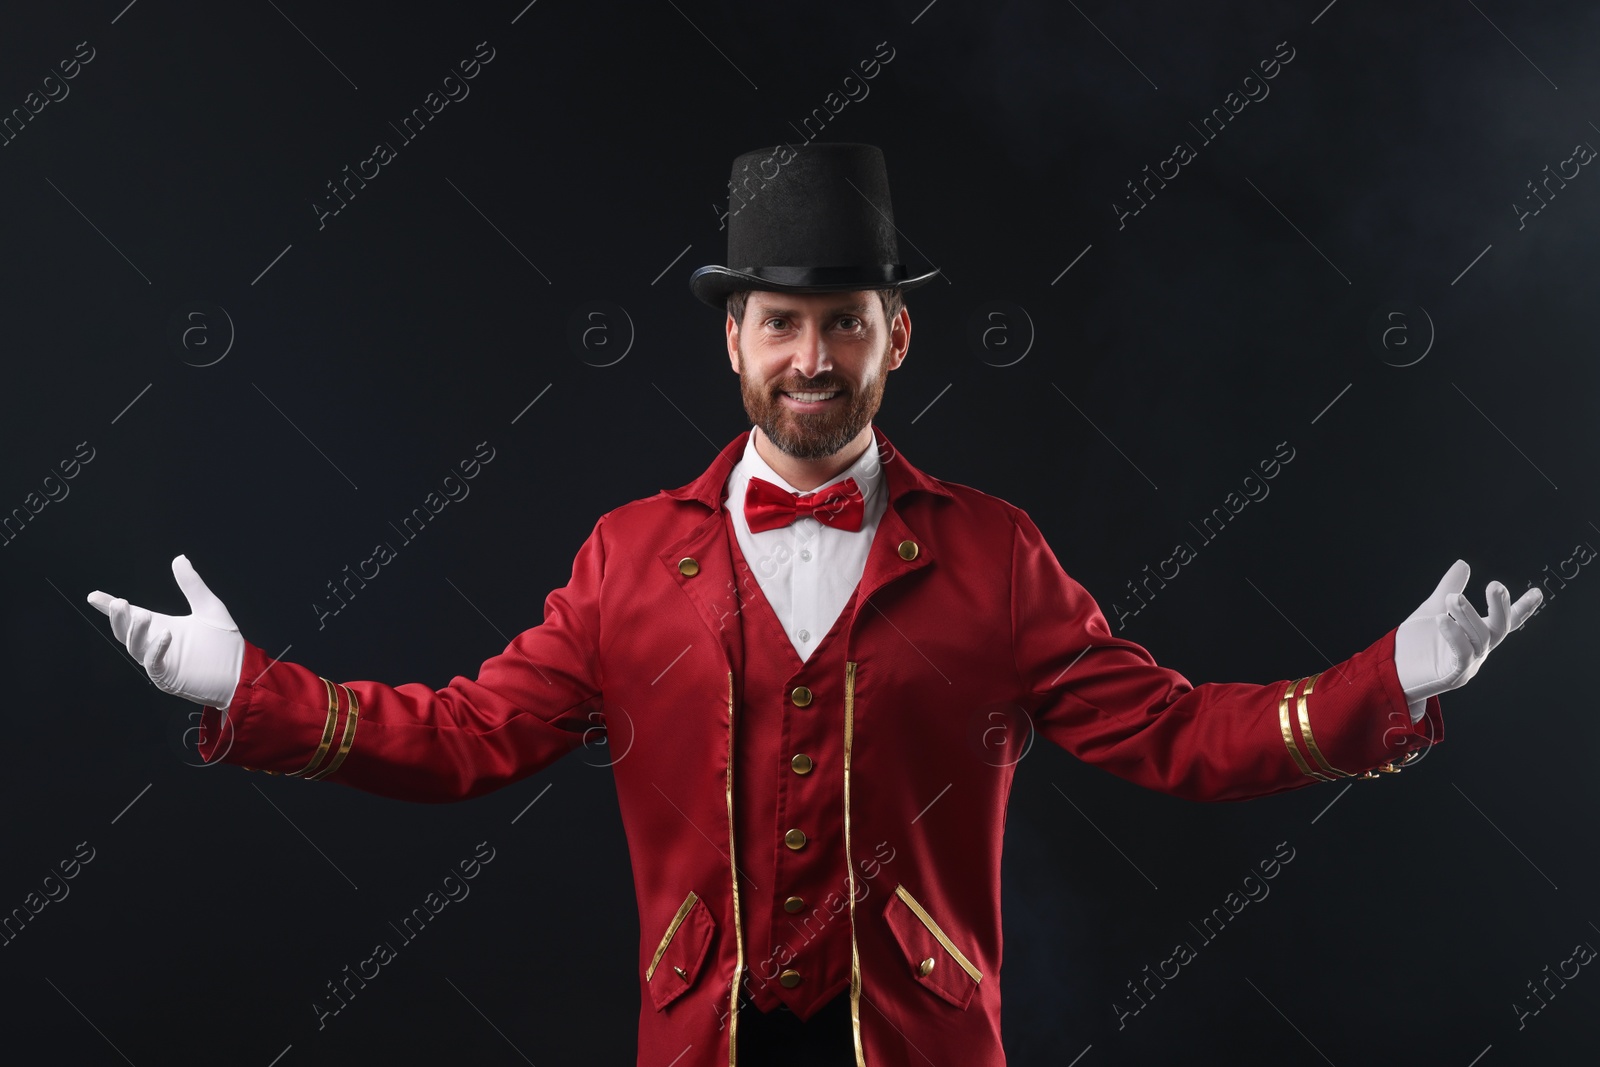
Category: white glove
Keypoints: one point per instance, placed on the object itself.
(196, 656)
(1444, 642)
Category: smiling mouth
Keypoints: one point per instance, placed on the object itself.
(812, 397)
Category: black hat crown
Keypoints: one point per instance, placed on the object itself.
(817, 219)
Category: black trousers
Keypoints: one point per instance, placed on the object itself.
(780, 1039)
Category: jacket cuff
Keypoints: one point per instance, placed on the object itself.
(281, 719)
(1353, 720)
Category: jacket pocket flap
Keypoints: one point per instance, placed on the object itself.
(681, 952)
(934, 959)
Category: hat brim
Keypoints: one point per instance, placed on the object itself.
(712, 284)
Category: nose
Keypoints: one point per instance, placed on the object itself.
(811, 352)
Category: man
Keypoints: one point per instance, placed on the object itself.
(804, 650)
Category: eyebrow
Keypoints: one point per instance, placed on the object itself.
(773, 309)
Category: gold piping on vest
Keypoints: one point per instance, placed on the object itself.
(738, 932)
(666, 938)
(850, 867)
(927, 920)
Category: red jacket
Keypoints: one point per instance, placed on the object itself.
(965, 638)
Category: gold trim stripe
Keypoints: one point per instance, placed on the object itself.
(849, 865)
(1288, 734)
(1305, 731)
(927, 920)
(327, 731)
(349, 734)
(738, 929)
(666, 938)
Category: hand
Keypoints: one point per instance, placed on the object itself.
(1444, 642)
(196, 656)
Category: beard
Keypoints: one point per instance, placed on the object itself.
(811, 435)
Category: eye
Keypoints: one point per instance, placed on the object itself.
(850, 322)
(773, 319)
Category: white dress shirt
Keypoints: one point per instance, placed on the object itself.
(807, 570)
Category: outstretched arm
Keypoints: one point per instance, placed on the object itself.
(527, 707)
(1107, 701)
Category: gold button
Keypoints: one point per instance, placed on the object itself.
(795, 838)
(688, 567)
(789, 978)
(802, 764)
(908, 550)
(793, 904)
(800, 695)
(924, 967)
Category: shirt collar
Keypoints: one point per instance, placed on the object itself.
(865, 470)
(898, 475)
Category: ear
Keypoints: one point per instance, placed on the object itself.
(732, 329)
(899, 339)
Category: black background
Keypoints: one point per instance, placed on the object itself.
(1227, 316)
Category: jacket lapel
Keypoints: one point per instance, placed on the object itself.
(711, 589)
(884, 560)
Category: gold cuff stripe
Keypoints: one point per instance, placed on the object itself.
(327, 731)
(933, 927)
(1305, 731)
(349, 734)
(1288, 734)
(672, 928)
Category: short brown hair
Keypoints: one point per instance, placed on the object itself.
(891, 299)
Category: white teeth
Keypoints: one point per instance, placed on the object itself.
(810, 397)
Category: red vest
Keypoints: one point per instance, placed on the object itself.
(789, 830)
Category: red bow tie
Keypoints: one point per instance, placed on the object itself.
(769, 507)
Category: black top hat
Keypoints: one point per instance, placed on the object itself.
(810, 220)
